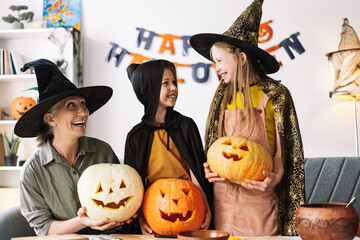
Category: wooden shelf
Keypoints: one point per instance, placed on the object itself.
(17, 77)
(27, 33)
(9, 168)
(8, 122)
(9, 176)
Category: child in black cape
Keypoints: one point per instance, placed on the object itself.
(165, 144)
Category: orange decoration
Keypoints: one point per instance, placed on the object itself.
(238, 159)
(181, 80)
(173, 205)
(20, 106)
(265, 32)
(168, 38)
(138, 58)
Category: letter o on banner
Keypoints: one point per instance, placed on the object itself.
(196, 67)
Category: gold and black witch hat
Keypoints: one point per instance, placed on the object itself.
(243, 33)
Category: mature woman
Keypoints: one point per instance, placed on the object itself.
(49, 177)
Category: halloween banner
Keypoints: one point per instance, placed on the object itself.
(199, 71)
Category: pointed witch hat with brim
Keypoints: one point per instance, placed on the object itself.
(53, 86)
(349, 39)
(244, 34)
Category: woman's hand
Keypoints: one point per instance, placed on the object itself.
(270, 181)
(102, 224)
(145, 228)
(210, 176)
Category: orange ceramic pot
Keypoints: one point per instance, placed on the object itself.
(326, 221)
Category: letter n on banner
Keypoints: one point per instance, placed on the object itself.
(293, 43)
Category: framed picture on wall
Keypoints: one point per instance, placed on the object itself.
(62, 13)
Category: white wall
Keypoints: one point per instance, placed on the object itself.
(326, 124)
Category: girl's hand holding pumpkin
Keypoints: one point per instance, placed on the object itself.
(102, 224)
(207, 219)
(270, 181)
(145, 228)
(211, 176)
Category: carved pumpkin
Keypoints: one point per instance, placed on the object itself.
(173, 205)
(113, 191)
(238, 159)
(20, 106)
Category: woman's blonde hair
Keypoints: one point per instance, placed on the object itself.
(245, 74)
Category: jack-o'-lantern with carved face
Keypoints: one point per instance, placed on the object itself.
(173, 205)
(20, 106)
(113, 191)
(238, 159)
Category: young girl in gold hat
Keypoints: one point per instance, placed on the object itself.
(248, 103)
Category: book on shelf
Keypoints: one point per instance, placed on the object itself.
(18, 62)
(7, 62)
(12, 67)
(1, 61)
(11, 62)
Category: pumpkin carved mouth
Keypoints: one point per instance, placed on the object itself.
(19, 112)
(234, 157)
(172, 217)
(112, 205)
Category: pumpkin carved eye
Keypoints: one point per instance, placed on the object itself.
(122, 185)
(227, 142)
(99, 188)
(186, 191)
(244, 147)
(163, 192)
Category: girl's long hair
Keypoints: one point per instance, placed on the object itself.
(246, 74)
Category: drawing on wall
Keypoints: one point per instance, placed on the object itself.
(62, 13)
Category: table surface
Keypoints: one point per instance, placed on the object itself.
(134, 237)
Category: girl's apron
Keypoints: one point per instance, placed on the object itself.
(240, 211)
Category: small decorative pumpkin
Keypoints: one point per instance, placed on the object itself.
(20, 106)
(173, 205)
(113, 191)
(238, 159)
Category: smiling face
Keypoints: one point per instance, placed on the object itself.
(225, 63)
(69, 118)
(113, 191)
(173, 205)
(169, 90)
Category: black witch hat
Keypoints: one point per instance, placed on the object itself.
(53, 86)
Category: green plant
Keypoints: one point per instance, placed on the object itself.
(25, 16)
(12, 145)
